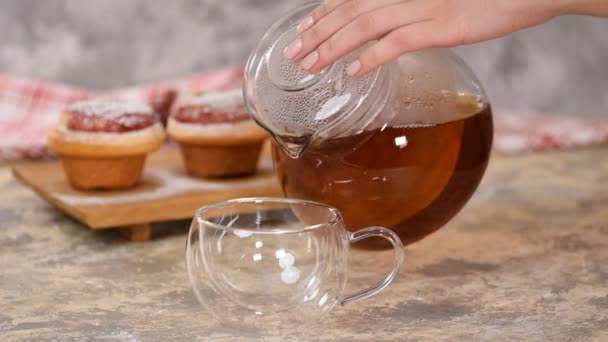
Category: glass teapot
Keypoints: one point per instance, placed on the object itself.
(403, 147)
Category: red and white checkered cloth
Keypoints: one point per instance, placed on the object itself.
(28, 107)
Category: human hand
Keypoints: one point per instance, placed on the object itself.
(338, 27)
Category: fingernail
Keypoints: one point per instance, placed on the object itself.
(309, 61)
(305, 24)
(353, 68)
(293, 49)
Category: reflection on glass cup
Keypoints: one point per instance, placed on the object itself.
(278, 260)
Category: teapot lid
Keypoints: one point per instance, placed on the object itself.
(296, 106)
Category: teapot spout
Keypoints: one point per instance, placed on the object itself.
(293, 146)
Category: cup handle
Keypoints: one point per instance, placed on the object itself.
(397, 246)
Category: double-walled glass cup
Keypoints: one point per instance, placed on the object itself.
(275, 260)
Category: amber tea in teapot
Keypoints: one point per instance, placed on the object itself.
(410, 179)
(403, 147)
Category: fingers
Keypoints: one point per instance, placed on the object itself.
(331, 23)
(294, 49)
(367, 27)
(321, 11)
(409, 38)
(337, 27)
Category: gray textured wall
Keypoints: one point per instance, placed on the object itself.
(559, 67)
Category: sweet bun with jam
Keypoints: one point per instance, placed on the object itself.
(216, 135)
(103, 144)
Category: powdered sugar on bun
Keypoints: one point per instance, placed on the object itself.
(110, 108)
(109, 116)
(221, 133)
(211, 108)
(111, 138)
(221, 101)
(105, 144)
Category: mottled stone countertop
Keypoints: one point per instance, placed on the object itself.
(527, 259)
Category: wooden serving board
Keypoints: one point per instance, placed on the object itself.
(165, 193)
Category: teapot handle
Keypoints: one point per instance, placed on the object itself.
(397, 246)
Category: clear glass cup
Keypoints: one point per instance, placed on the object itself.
(275, 260)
